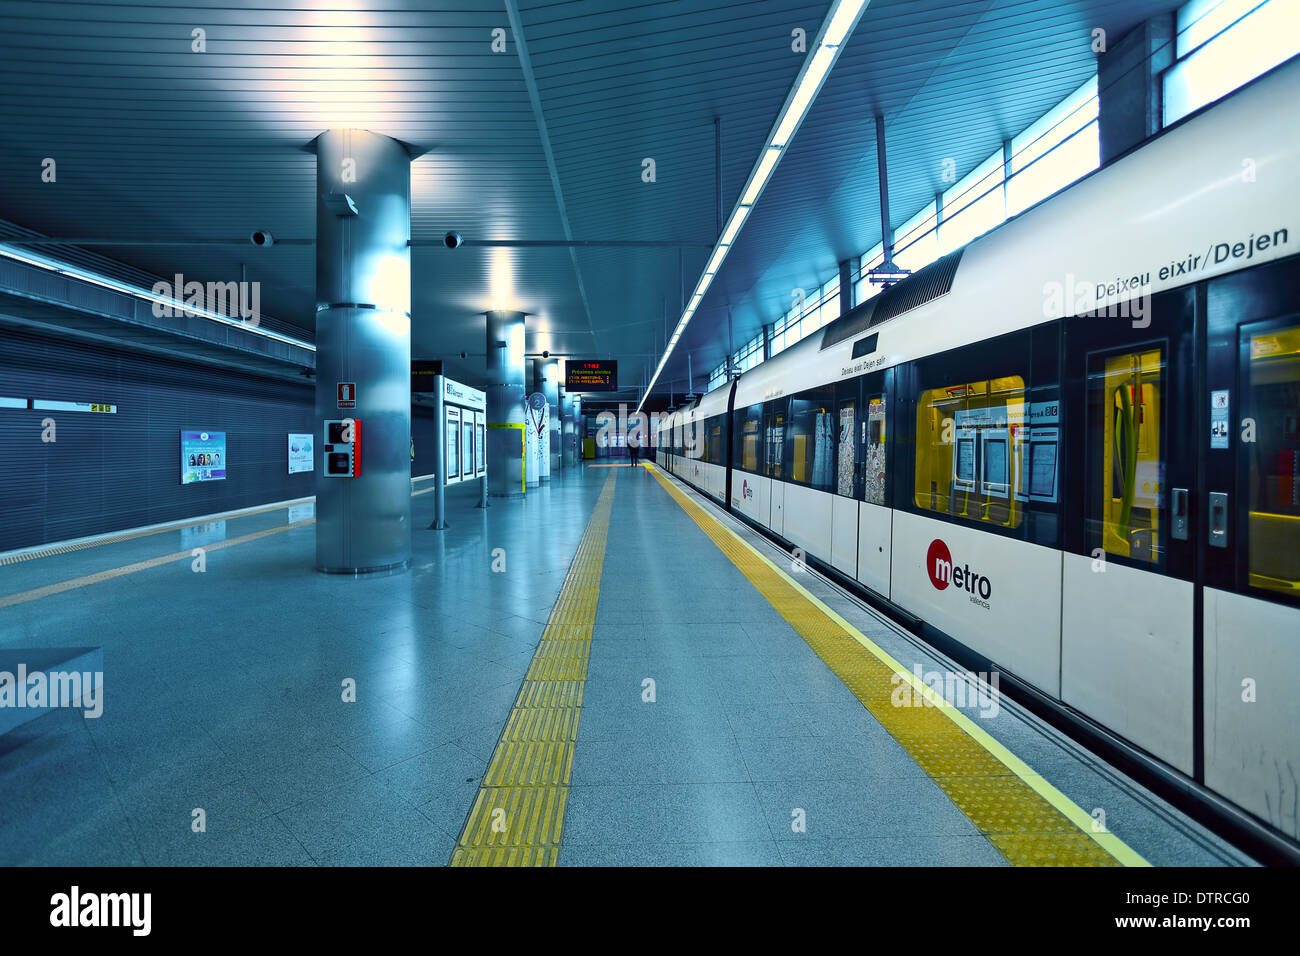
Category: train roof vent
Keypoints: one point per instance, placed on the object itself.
(917, 289)
(849, 324)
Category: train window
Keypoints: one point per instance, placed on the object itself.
(692, 437)
(877, 451)
(747, 431)
(774, 438)
(846, 460)
(970, 444)
(1272, 460)
(810, 438)
(715, 452)
(1124, 496)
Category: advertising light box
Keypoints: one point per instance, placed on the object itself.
(300, 454)
(203, 456)
(590, 375)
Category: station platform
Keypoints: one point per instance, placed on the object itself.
(611, 671)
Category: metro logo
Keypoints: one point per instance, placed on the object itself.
(939, 566)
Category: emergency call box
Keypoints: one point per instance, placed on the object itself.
(342, 448)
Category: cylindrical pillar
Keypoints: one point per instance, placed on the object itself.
(505, 404)
(579, 428)
(541, 371)
(539, 438)
(549, 385)
(532, 463)
(363, 347)
(566, 430)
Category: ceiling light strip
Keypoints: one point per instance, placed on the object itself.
(835, 29)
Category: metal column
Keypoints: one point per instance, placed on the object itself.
(542, 369)
(505, 404)
(566, 430)
(363, 338)
(549, 385)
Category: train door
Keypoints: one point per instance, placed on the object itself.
(727, 443)
(1129, 627)
(847, 482)
(875, 517)
(774, 415)
(1250, 440)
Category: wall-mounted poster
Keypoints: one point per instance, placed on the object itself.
(300, 454)
(203, 456)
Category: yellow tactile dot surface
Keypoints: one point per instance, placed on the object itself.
(518, 814)
(1009, 809)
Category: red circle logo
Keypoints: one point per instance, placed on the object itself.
(938, 564)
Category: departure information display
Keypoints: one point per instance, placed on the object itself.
(591, 376)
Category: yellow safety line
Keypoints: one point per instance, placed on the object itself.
(58, 549)
(132, 535)
(1024, 817)
(518, 814)
(22, 597)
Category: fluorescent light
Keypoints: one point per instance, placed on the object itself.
(759, 179)
(839, 22)
(803, 97)
(842, 22)
(737, 220)
(715, 261)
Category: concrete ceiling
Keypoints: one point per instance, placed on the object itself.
(157, 142)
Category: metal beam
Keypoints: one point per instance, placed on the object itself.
(570, 243)
(535, 98)
(521, 243)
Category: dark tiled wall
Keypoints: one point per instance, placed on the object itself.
(109, 472)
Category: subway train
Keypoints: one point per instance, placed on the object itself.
(1071, 451)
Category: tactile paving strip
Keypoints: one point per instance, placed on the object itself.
(518, 815)
(1018, 812)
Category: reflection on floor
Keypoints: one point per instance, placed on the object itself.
(225, 704)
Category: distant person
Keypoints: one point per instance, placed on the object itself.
(631, 451)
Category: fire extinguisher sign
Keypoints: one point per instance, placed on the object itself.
(347, 394)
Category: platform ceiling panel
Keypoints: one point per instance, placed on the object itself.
(155, 141)
(953, 79)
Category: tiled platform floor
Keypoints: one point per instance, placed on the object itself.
(224, 692)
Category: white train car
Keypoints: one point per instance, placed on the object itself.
(1071, 450)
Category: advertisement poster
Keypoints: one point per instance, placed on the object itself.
(300, 454)
(203, 456)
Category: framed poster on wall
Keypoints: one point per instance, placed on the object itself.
(203, 456)
(300, 454)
